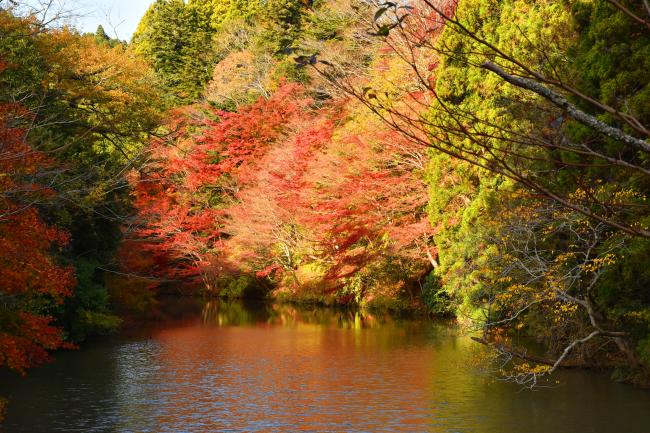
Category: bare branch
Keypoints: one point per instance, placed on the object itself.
(571, 110)
(631, 14)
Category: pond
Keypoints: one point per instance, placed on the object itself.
(264, 368)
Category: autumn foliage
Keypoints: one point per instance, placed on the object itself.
(75, 111)
(287, 195)
(28, 269)
(376, 154)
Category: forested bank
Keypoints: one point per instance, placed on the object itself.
(75, 114)
(486, 160)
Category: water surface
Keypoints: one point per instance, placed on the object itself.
(265, 368)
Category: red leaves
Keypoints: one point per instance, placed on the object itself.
(28, 269)
(234, 143)
(28, 345)
(268, 270)
(26, 264)
(374, 208)
(187, 197)
(279, 185)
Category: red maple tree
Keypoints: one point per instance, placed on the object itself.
(29, 271)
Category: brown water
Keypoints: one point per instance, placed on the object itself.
(235, 368)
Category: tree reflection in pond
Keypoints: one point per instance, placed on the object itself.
(229, 313)
(274, 368)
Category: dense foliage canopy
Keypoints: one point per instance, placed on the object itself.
(482, 159)
(75, 113)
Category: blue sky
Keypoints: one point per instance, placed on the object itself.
(124, 15)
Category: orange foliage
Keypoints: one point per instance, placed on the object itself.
(279, 184)
(184, 196)
(28, 269)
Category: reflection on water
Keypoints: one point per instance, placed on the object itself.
(251, 368)
(289, 315)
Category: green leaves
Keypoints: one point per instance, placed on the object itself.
(177, 41)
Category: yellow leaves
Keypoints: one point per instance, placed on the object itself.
(240, 78)
(599, 263)
(639, 316)
(566, 308)
(527, 368)
(561, 312)
(88, 71)
(628, 194)
(515, 294)
(606, 193)
(578, 194)
(548, 229)
(564, 258)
